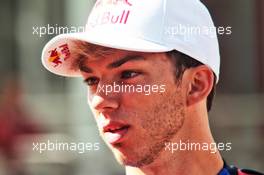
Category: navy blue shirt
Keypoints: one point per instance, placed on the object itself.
(232, 170)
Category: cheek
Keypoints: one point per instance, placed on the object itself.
(137, 101)
(160, 112)
(144, 95)
(150, 96)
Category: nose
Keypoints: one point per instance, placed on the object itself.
(102, 102)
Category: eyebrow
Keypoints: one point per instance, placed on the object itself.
(114, 64)
(84, 68)
(122, 61)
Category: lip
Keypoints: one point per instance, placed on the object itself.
(114, 132)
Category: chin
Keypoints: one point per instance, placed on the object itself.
(121, 159)
(125, 160)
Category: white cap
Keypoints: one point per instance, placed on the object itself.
(144, 26)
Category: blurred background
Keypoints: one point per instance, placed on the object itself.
(36, 106)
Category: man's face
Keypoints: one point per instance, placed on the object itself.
(135, 124)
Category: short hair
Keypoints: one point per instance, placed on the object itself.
(182, 62)
(82, 50)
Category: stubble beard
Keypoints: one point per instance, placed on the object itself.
(161, 124)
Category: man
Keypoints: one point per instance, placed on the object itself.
(151, 68)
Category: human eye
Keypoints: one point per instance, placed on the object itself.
(129, 74)
(91, 81)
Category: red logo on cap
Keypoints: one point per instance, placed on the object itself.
(58, 56)
(108, 14)
(65, 51)
(112, 2)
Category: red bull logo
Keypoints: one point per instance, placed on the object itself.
(112, 2)
(59, 54)
(111, 12)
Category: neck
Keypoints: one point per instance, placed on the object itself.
(185, 162)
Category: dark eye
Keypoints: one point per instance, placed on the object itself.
(91, 81)
(129, 74)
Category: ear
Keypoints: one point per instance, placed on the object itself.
(200, 84)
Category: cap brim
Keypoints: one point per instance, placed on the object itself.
(63, 66)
